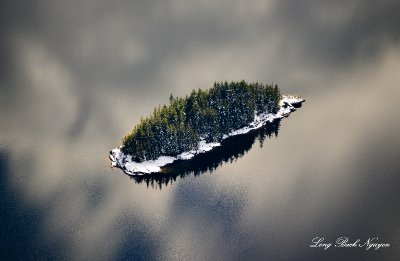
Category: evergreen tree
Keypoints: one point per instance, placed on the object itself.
(206, 114)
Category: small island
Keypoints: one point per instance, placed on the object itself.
(198, 123)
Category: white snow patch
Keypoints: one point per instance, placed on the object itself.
(125, 162)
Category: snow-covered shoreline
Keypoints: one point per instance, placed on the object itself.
(130, 167)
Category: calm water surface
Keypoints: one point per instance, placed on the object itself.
(77, 78)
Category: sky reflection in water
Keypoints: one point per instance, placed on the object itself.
(76, 77)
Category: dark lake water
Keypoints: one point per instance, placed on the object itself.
(76, 78)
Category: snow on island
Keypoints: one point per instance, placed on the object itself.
(119, 159)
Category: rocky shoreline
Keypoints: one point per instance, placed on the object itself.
(118, 159)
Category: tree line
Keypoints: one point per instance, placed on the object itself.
(231, 150)
(207, 114)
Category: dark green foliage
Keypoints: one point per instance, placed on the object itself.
(206, 114)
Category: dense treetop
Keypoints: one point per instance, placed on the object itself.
(206, 114)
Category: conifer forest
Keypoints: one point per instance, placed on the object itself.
(204, 114)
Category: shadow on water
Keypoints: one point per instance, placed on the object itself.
(230, 150)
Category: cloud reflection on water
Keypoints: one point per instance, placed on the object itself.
(76, 77)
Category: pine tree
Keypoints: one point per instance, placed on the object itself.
(209, 114)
